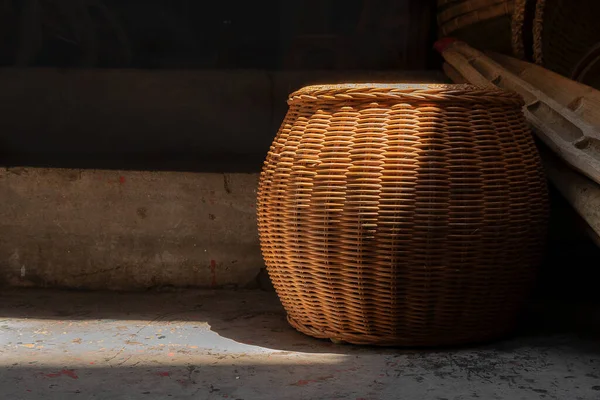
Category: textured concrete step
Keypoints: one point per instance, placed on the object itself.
(126, 230)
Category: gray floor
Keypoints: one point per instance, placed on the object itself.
(237, 345)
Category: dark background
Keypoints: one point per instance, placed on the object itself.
(201, 86)
(187, 84)
(267, 34)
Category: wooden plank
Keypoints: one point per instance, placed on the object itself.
(453, 74)
(583, 100)
(566, 132)
(582, 193)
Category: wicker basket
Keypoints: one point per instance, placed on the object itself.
(402, 214)
(564, 34)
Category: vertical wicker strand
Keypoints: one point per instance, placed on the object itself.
(293, 197)
(501, 290)
(430, 225)
(397, 208)
(320, 237)
(374, 128)
(360, 212)
(464, 214)
(271, 217)
(496, 201)
(335, 162)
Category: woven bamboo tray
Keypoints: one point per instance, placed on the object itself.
(406, 215)
(564, 34)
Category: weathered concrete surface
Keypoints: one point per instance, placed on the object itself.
(237, 345)
(101, 229)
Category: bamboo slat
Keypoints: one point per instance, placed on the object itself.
(567, 128)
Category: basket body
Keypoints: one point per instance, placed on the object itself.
(402, 214)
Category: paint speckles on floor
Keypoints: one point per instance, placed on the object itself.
(65, 372)
(304, 382)
(238, 345)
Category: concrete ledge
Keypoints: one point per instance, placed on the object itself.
(126, 230)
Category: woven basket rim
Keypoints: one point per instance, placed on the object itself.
(434, 92)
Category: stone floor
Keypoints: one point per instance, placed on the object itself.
(237, 345)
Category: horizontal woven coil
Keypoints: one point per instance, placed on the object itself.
(402, 214)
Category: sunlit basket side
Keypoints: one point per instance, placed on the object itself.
(402, 214)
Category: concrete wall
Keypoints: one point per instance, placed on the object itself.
(97, 229)
(121, 222)
(143, 119)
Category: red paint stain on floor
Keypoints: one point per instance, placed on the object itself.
(164, 374)
(213, 272)
(66, 372)
(121, 180)
(347, 369)
(304, 382)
